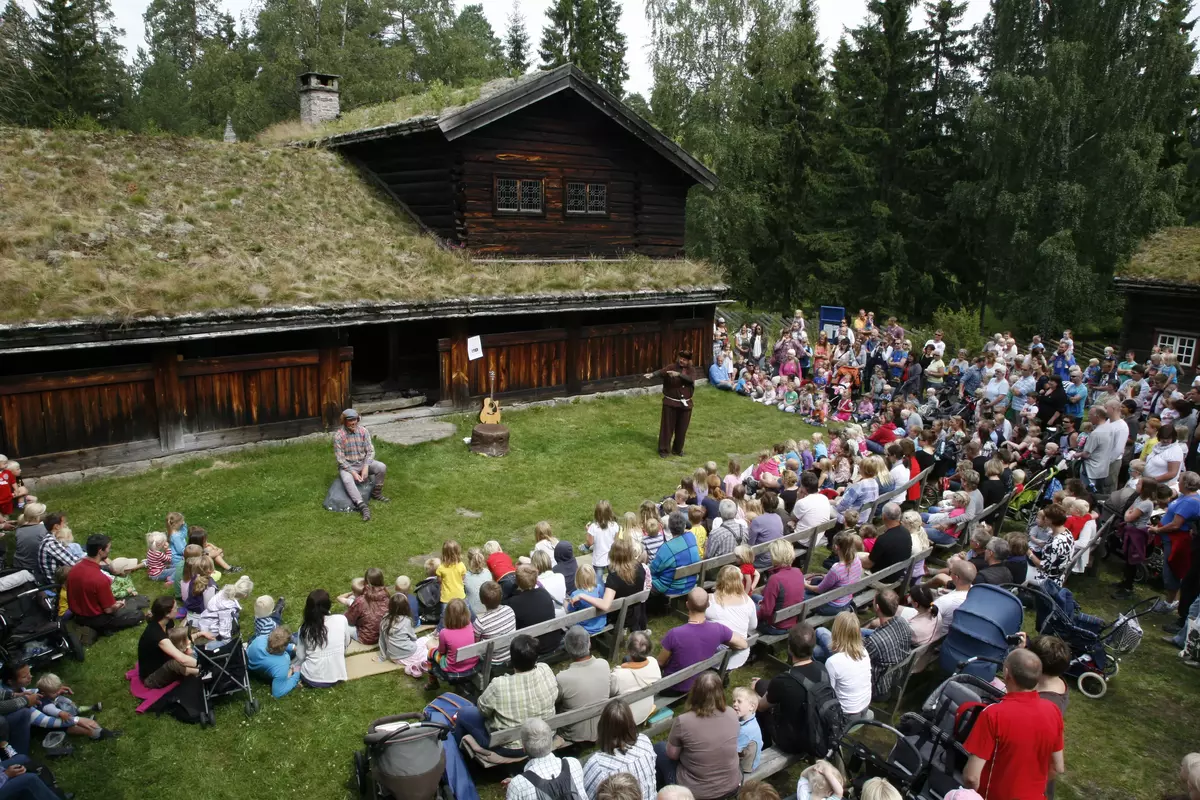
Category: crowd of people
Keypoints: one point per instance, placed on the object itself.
(981, 424)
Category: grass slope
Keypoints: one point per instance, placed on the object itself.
(1172, 254)
(264, 509)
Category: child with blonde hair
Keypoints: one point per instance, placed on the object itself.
(630, 527)
(847, 570)
(745, 565)
(733, 476)
(745, 705)
(820, 781)
(268, 614)
(358, 585)
(500, 564)
(189, 552)
(364, 616)
(452, 572)
(455, 634)
(477, 575)
(158, 557)
(700, 484)
(198, 586)
(696, 521)
(177, 536)
(585, 585)
(221, 613)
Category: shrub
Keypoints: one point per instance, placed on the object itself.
(960, 328)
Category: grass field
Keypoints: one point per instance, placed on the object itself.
(264, 508)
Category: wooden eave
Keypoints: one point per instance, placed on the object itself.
(1155, 286)
(85, 333)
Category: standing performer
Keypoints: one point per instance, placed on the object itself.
(356, 460)
(679, 384)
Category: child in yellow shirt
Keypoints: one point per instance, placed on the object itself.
(452, 572)
(696, 518)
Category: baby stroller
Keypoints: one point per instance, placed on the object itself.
(1024, 506)
(402, 758)
(224, 671)
(1095, 645)
(939, 732)
(983, 628)
(872, 749)
(30, 628)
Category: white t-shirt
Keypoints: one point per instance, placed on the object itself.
(742, 619)
(899, 474)
(851, 681)
(811, 511)
(327, 664)
(1160, 457)
(602, 540)
(946, 605)
(556, 586)
(938, 347)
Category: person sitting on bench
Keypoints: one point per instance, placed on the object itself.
(782, 700)
(693, 642)
(546, 776)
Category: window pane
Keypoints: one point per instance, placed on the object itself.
(531, 195)
(506, 194)
(1184, 347)
(577, 201)
(597, 198)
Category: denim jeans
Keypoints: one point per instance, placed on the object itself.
(665, 769)
(1193, 613)
(824, 648)
(876, 447)
(939, 537)
(24, 787)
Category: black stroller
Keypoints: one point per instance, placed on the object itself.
(30, 628)
(224, 671)
(938, 733)
(872, 749)
(402, 758)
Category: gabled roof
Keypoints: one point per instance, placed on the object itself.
(499, 99)
(1169, 261)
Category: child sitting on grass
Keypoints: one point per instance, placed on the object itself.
(368, 610)
(397, 639)
(56, 695)
(500, 564)
(16, 678)
(177, 537)
(745, 705)
(222, 612)
(429, 594)
(585, 585)
(457, 633)
(198, 587)
(404, 586)
(357, 587)
(268, 615)
(452, 573)
(199, 536)
(189, 552)
(543, 539)
(158, 557)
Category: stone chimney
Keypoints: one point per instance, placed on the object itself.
(318, 98)
(230, 134)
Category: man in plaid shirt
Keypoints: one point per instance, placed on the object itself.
(52, 553)
(356, 460)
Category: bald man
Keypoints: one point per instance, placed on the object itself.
(693, 642)
(1016, 744)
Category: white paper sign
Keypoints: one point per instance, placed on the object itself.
(474, 348)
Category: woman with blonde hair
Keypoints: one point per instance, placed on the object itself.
(911, 520)
(626, 576)
(848, 665)
(733, 608)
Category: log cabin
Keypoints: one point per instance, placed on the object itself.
(1161, 285)
(171, 295)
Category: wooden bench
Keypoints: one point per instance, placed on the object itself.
(897, 576)
(717, 662)
(773, 761)
(484, 649)
(806, 539)
(901, 673)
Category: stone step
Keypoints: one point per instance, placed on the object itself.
(381, 405)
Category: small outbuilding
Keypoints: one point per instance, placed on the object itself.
(1161, 284)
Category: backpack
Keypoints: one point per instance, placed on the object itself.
(429, 601)
(823, 723)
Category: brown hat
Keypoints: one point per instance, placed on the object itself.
(685, 353)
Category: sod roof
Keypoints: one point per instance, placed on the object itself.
(1171, 256)
(108, 226)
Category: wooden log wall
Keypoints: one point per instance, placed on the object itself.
(85, 418)
(525, 362)
(421, 170)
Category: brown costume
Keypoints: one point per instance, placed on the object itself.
(679, 384)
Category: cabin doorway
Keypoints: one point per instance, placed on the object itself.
(395, 366)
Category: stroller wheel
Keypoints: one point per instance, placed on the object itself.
(251, 708)
(74, 645)
(360, 772)
(1092, 684)
(206, 719)
(1115, 666)
(1141, 574)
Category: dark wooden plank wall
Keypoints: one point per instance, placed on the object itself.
(561, 139)
(77, 409)
(83, 418)
(525, 362)
(1147, 314)
(422, 170)
(616, 351)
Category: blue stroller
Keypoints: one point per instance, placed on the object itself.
(1095, 644)
(983, 628)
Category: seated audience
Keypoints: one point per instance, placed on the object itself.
(890, 641)
(733, 608)
(785, 587)
(847, 663)
(620, 748)
(532, 604)
(962, 576)
(694, 641)
(398, 639)
(584, 682)
(678, 551)
(456, 633)
(729, 534)
(638, 671)
(89, 592)
(545, 774)
(497, 620)
(701, 751)
(267, 657)
(364, 615)
(509, 700)
(625, 577)
(750, 739)
(321, 648)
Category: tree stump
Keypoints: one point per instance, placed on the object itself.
(490, 440)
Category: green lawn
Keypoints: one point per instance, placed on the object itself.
(264, 508)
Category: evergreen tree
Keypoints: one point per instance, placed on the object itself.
(77, 62)
(516, 43)
(180, 28)
(613, 70)
(16, 65)
(555, 49)
(585, 33)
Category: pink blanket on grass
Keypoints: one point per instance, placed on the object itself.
(148, 696)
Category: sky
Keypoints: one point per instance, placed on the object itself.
(833, 17)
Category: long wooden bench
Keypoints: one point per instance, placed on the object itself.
(897, 576)
(484, 649)
(805, 539)
(717, 662)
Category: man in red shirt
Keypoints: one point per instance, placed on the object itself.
(89, 592)
(1016, 745)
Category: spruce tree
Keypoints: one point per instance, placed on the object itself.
(16, 65)
(77, 62)
(557, 35)
(613, 70)
(585, 33)
(516, 43)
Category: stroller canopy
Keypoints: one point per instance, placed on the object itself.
(980, 629)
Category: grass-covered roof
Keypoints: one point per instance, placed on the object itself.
(119, 226)
(1170, 256)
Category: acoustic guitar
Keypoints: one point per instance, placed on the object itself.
(490, 414)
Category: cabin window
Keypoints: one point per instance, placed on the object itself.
(586, 198)
(1184, 347)
(519, 195)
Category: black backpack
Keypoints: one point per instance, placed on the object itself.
(429, 601)
(823, 723)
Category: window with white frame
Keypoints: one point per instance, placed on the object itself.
(519, 195)
(1184, 347)
(586, 198)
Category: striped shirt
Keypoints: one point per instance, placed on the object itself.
(493, 624)
(352, 450)
(157, 561)
(679, 552)
(638, 761)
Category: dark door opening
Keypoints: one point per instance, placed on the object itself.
(396, 361)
